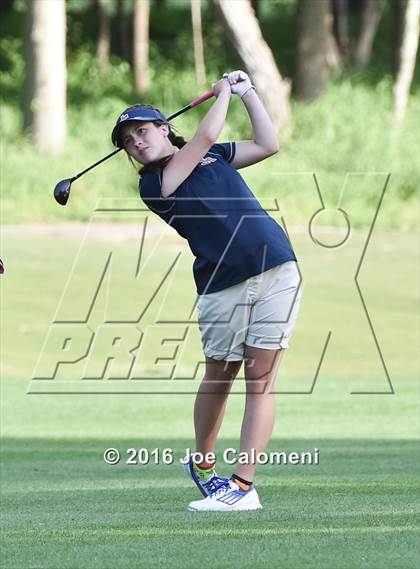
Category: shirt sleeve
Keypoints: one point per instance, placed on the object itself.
(150, 193)
(224, 149)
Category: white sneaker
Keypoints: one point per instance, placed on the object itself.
(227, 497)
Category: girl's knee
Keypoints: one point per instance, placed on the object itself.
(220, 370)
(260, 364)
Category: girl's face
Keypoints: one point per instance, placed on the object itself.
(146, 141)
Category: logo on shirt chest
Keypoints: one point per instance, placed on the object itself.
(208, 160)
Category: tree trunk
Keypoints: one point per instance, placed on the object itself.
(256, 7)
(200, 70)
(398, 15)
(141, 46)
(104, 37)
(257, 59)
(341, 26)
(123, 31)
(311, 64)
(408, 58)
(29, 78)
(45, 80)
(371, 14)
(332, 54)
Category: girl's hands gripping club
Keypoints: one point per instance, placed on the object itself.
(221, 85)
(239, 82)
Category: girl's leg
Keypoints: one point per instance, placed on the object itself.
(260, 372)
(210, 403)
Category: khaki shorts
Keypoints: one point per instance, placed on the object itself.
(260, 312)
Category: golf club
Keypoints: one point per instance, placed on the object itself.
(62, 189)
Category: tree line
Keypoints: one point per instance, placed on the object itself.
(324, 44)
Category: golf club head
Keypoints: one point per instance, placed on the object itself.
(62, 191)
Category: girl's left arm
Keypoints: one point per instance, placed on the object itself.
(265, 141)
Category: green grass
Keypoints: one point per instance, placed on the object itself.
(64, 507)
(38, 267)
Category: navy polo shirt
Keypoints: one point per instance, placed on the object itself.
(230, 234)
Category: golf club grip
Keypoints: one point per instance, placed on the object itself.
(192, 104)
(201, 99)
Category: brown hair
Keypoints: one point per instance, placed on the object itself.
(175, 138)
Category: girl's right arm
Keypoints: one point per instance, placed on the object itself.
(186, 159)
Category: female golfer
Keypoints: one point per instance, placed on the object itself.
(245, 272)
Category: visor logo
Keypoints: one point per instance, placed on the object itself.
(124, 117)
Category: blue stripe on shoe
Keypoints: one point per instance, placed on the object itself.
(231, 498)
(235, 496)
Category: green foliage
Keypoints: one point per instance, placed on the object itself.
(86, 82)
(349, 129)
(80, 6)
(20, 6)
(12, 68)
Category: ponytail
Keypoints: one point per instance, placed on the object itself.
(176, 139)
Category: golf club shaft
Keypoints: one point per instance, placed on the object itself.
(186, 108)
(96, 164)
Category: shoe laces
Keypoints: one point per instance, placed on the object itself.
(216, 484)
(213, 483)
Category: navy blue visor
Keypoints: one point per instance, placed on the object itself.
(134, 115)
